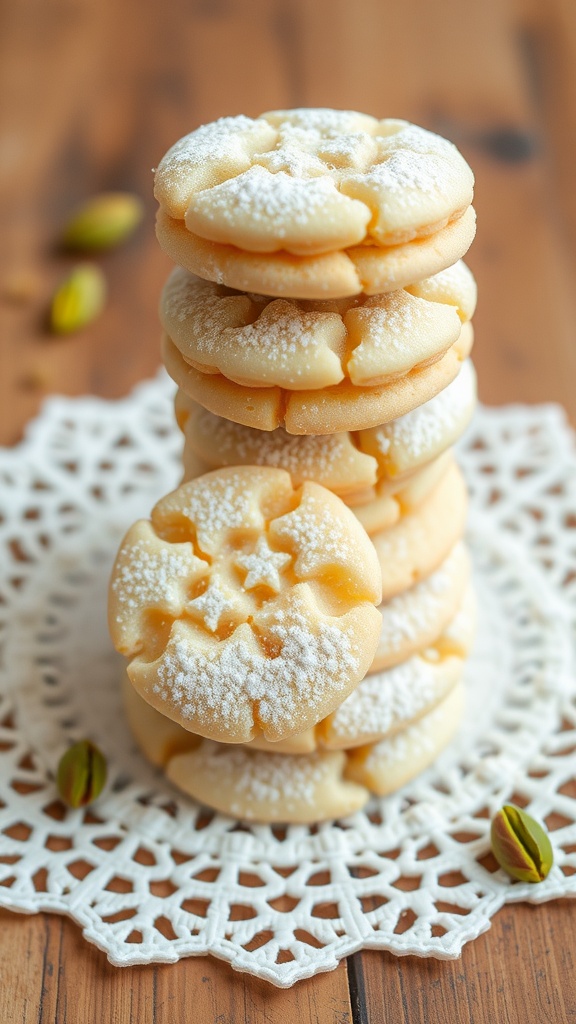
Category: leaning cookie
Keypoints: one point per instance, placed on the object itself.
(331, 410)
(412, 440)
(383, 704)
(388, 765)
(421, 540)
(313, 180)
(304, 345)
(246, 606)
(372, 269)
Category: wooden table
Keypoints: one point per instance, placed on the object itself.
(92, 93)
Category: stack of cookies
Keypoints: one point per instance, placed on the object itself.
(297, 614)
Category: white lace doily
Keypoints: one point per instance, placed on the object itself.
(150, 876)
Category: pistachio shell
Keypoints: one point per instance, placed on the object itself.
(103, 221)
(78, 300)
(521, 846)
(81, 775)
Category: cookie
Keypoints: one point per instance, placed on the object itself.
(412, 440)
(331, 410)
(386, 766)
(257, 786)
(413, 548)
(372, 269)
(312, 181)
(304, 345)
(246, 606)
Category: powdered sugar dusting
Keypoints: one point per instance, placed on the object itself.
(409, 615)
(215, 602)
(390, 323)
(186, 296)
(424, 428)
(201, 308)
(416, 740)
(227, 682)
(261, 197)
(385, 699)
(320, 457)
(153, 577)
(256, 778)
(210, 142)
(220, 504)
(262, 566)
(355, 149)
(319, 537)
(409, 176)
(283, 331)
(292, 158)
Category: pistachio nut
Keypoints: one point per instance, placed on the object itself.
(81, 775)
(521, 846)
(103, 221)
(78, 300)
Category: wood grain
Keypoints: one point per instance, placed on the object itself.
(517, 971)
(91, 95)
(50, 974)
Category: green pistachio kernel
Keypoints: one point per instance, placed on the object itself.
(102, 222)
(81, 775)
(78, 300)
(521, 846)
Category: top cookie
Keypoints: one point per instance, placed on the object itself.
(312, 181)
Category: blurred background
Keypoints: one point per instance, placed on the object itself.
(93, 92)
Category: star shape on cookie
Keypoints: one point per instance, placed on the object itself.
(262, 566)
(212, 604)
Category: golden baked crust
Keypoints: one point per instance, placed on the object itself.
(332, 410)
(372, 269)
